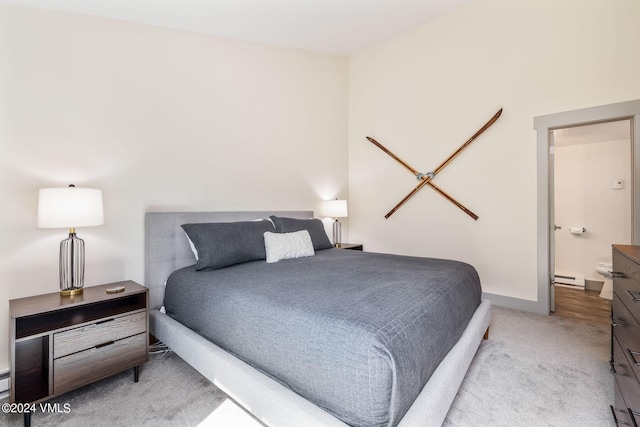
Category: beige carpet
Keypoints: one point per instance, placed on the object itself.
(538, 371)
(533, 371)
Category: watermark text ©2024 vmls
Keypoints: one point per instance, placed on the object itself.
(21, 408)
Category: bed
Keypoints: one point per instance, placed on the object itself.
(262, 387)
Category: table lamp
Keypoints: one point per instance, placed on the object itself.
(337, 209)
(70, 207)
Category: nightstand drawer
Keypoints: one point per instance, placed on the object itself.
(86, 337)
(82, 368)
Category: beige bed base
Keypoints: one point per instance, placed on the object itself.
(267, 400)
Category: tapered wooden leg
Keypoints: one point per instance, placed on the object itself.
(136, 373)
(486, 334)
(27, 419)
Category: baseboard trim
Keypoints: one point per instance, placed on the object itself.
(5, 378)
(515, 303)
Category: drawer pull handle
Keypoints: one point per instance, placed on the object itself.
(105, 344)
(613, 368)
(635, 295)
(633, 355)
(104, 321)
(617, 275)
(614, 321)
(615, 418)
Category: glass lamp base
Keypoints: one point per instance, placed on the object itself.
(71, 265)
(337, 233)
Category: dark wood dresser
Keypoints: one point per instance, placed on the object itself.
(625, 340)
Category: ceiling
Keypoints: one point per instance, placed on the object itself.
(341, 27)
(587, 134)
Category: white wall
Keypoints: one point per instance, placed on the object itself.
(584, 197)
(424, 93)
(167, 120)
(159, 120)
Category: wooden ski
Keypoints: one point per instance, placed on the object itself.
(422, 176)
(425, 179)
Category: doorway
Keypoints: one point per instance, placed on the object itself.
(592, 208)
(544, 125)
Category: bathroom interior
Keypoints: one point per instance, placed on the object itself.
(592, 210)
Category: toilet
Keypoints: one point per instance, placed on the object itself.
(604, 268)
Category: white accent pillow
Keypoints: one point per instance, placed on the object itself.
(280, 246)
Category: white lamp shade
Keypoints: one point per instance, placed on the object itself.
(69, 207)
(337, 208)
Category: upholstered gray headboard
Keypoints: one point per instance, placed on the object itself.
(167, 248)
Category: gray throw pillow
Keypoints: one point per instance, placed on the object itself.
(315, 227)
(222, 244)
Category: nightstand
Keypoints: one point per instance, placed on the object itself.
(61, 343)
(352, 246)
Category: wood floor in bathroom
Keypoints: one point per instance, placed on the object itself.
(581, 304)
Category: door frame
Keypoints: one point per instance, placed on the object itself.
(543, 126)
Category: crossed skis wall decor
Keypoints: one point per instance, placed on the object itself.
(427, 178)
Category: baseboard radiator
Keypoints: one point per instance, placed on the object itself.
(5, 377)
(568, 281)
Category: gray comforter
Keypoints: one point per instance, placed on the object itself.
(357, 333)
